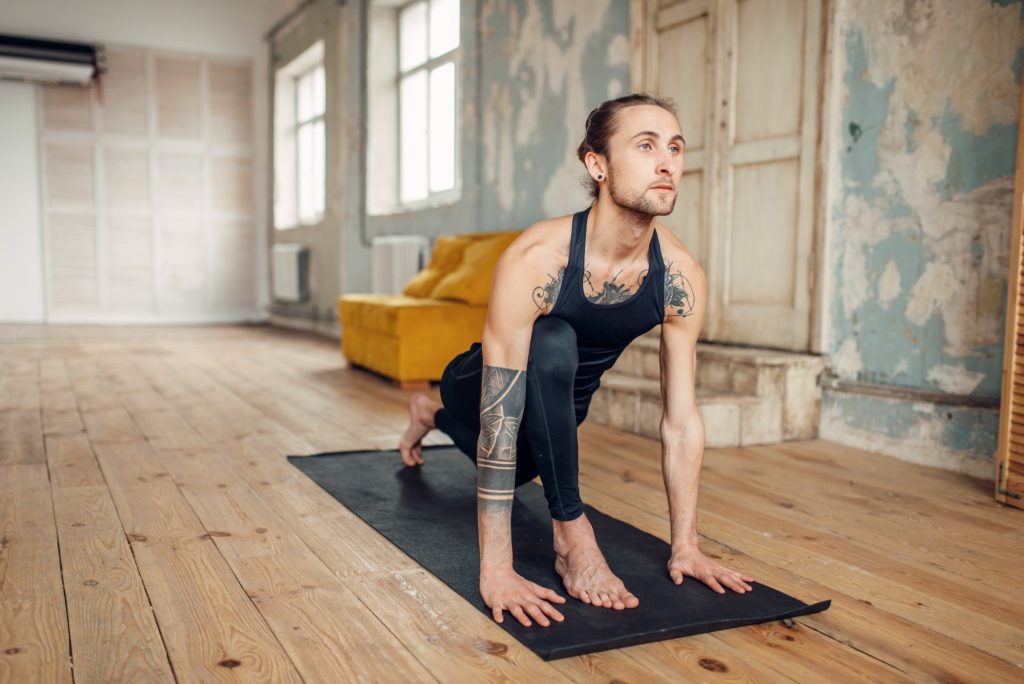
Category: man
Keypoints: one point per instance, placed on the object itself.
(568, 296)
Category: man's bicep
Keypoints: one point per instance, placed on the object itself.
(511, 313)
(678, 371)
(684, 316)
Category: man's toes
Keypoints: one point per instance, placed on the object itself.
(631, 601)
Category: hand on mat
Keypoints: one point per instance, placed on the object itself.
(695, 564)
(508, 590)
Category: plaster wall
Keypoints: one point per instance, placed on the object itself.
(919, 210)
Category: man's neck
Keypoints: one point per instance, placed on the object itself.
(617, 233)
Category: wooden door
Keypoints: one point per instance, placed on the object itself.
(744, 74)
(1010, 452)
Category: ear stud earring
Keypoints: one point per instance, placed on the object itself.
(600, 176)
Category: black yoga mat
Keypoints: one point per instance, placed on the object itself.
(430, 513)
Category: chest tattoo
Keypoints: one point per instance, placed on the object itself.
(610, 292)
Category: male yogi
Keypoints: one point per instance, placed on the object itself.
(568, 296)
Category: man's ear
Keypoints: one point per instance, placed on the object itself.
(597, 165)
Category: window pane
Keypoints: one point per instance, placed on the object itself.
(319, 91)
(412, 36)
(442, 128)
(304, 164)
(319, 165)
(444, 26)
(412, 100)
(307, 212)
(304, 97)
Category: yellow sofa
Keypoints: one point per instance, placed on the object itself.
(412, 336)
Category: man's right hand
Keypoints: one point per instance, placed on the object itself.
(508, 590)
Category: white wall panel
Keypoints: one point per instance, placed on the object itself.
(21, 257)
(148, 191)
(126, 93)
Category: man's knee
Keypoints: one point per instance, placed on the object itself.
(553, 349)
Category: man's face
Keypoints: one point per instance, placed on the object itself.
(645, 160)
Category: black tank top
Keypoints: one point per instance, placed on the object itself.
(604, 330)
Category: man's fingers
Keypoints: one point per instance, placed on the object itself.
(496, 611)
(517, 612)
(734, 582)
(418, 455)
(548, 594)
(677, 576)
(537, 614)
(713, 583)
(551, 611)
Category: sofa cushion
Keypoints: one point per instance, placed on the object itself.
(406, 338)
(447, 254)
(399, 314)
(471, 281)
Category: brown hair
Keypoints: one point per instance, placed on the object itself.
(602, 122)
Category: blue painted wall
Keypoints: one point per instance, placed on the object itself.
(920, 217)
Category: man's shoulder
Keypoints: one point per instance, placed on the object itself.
(676, 255)
(542, 245)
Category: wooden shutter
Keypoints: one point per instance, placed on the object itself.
(1010, 454)
(746, 79)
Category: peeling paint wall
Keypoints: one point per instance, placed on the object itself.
(919, 218)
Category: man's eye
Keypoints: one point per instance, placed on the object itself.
(645, 146)
(674, 148)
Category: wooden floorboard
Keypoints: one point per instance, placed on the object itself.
(153, 530)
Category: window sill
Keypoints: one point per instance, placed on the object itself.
(425, 205)
(316, 223)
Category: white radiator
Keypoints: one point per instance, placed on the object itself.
(396, 259)
(290, 272)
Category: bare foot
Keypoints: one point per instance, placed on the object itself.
(421, 421)
(583, 569)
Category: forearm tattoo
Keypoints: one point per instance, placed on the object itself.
(544, 296)
(501, 410)
(679, 299)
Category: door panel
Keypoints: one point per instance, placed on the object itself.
(769, 68)
(745, 76)
(761, 254)
(684, 41)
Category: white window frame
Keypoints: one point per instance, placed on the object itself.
(287, 155)
(318, 215)
(440, 197)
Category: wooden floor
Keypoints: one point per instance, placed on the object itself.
(152, 530)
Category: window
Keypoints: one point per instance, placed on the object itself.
(300, 102)
(428, 43)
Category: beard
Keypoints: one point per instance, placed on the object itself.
(638, 201)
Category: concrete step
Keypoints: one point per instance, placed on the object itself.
(634, 404)
(746, 395)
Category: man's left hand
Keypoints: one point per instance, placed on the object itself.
(695, 564)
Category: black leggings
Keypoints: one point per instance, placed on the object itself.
(546, 444)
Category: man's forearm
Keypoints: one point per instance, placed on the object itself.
(682, 453)
(503, 397)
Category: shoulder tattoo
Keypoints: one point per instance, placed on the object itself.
(679, 299)
(544, 296)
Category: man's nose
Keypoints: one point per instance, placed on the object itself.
(667, 164)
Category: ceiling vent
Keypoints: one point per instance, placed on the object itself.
(49, 61)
